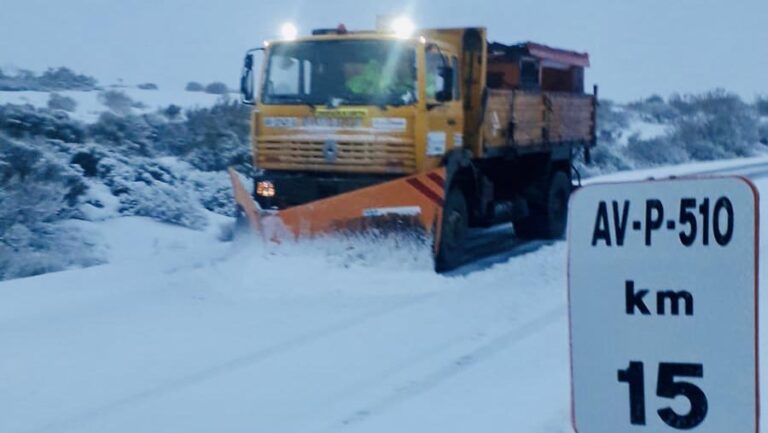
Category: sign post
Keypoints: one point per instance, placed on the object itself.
(663, 306)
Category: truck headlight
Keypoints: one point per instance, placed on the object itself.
(403, 27)
(265, 188)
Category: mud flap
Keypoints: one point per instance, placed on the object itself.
(413, 202)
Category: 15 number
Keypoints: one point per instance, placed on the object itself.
(666, 387)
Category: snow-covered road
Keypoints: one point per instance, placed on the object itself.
(181, 333)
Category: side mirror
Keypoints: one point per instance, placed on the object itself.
(246, 80)
(247, 89)
(446, 93)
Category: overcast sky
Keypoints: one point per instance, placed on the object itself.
(637, 47)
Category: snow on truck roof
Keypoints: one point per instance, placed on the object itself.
(539, 52)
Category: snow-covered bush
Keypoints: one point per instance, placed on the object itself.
(715, 125)
(66, 79)
(172, 112)
(703, 127)
(38, 192)
(50, 80)
(655, 151)
(217, 88)
(148, 86)
(763, 132)
(761, 103)
(653, 109)
(25, 120)
(130, 134)
(146, 187)
(612, 121)
(59, 102)
(118, 102)
(194, 86)
(148, 165)
(211, 139)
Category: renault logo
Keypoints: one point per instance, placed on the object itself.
(330, 150)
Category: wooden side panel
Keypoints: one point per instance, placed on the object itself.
(526, 119)
(569, 117)
(497, 117)
(513, 117)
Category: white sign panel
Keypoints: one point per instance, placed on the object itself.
(280, 122)
(394, 124)
(435, 143)
(663, 295)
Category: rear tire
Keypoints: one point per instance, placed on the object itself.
(453, 231)
(548, 215)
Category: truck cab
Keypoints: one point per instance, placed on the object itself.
(351, 109)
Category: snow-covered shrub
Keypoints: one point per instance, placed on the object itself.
(37, 193)
(703, 127)
(211, 138)
(653, 109)
(761, 103)
(655, 151)
(148, 86)
(25, 120)
(59, 102)
(50, 80)
(88, 161)
(66, 79)
(129, 134)
(172, 112)
(763, 132)
(118, 102)
(715, 125)
(605, 158)
(612, 121)
(147, 187)
(217, 88)
(194, 86)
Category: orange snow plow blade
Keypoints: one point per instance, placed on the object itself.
(413, 202)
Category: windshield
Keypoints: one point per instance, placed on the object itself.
(351, 72)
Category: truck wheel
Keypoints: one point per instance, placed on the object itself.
(548, 214)
(453, 231)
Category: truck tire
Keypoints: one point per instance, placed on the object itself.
(549, 212)
(453, 231)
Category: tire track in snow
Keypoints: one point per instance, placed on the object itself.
(456, 366)
(228, 367)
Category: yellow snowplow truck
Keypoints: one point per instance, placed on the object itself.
(435, 129)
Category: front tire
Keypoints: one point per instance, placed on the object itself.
(548, 215)
(453, 231)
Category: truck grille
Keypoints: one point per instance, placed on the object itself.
(337, 153)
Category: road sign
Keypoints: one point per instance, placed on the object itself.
(663, 306)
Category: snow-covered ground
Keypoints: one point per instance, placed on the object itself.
(183, 333)
(89, 106)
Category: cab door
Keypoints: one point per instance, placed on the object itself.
(445, 120)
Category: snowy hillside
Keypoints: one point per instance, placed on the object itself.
(89, 105)
(182, 333)
(85, 99)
